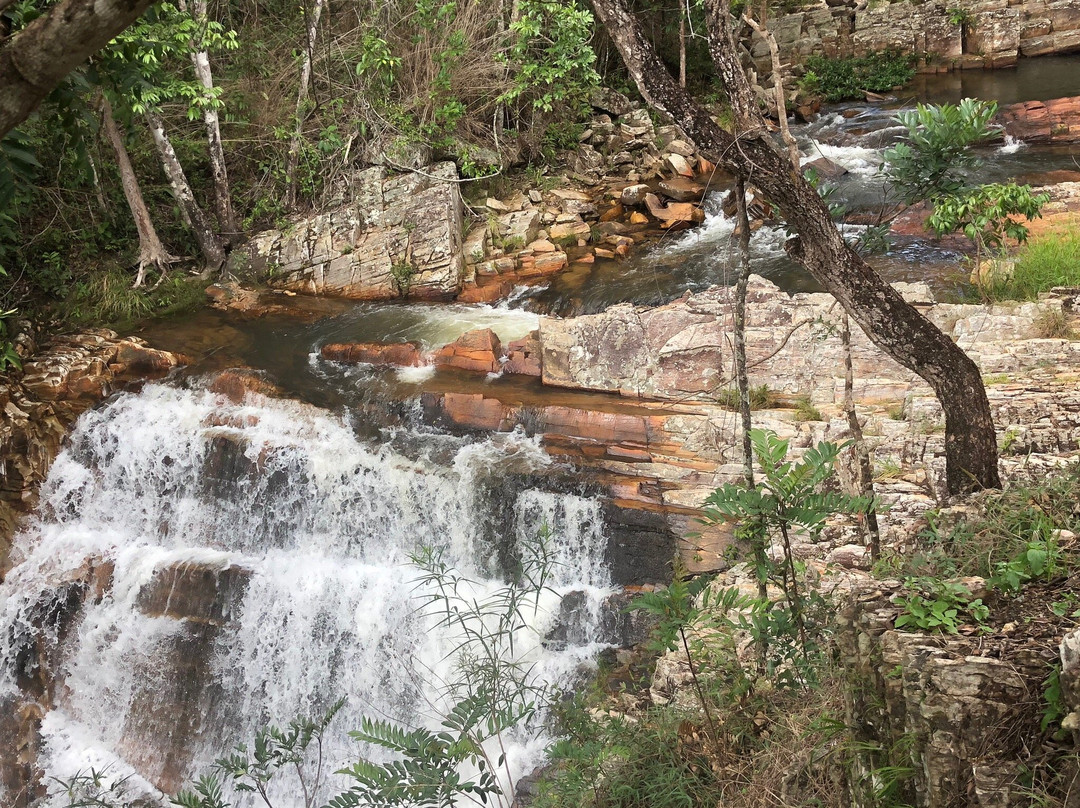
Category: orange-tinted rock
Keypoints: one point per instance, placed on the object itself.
(134, 358)
(1055, 121)
(488, 293)
(192, 591)
(523, 356)
(682, 189)
(616, 211)
(545, 263)
(675, 212)
(474, 411)
(236, 383)
(478, 350)
(374, 353)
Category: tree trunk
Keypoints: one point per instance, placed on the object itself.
(778, 89)
(192, 214)
(152, 252)
(682, 44)
(893, 325)
(37, 58)
(862, 453)
(222, 194)
(301, 99)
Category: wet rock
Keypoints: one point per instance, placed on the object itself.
(674, 211)
(523, 356)
(405, 354)
(195, 591)
(478, 350)
(825, 168)
(62, 380)
(1056, 121)
(617, 626)
(236, 383)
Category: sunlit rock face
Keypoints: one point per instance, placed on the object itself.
(396, 237)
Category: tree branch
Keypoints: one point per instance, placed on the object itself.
(35, 60)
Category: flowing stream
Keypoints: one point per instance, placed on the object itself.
(252, 559)
(300, 534)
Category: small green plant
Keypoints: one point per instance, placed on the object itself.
(960, 16)
(761, 398)
(9, 357)
(987, 215)
(935, 605)
(788, 499)
(1040, 559)
(806, 411)
(403, 273)
(1054, 707)
(1068, 606)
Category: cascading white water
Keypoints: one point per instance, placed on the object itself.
(315, 528)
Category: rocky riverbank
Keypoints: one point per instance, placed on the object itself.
(67, 376)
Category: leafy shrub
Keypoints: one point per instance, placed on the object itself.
(931, 160)
(843, 79)
(936, 605)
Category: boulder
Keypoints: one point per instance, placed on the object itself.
(478, 350)
(634, 194)
(523, 356)
(610, 101)
(392, 226)
(682, 189)
(675, 211)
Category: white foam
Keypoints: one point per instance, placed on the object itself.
(324, 525)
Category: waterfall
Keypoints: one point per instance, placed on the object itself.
(259, 556)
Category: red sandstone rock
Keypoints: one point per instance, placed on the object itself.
(236, 383)
(406, 354)
(478, 350)
(523, 355)
(1055, 121)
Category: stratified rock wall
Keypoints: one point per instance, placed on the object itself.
(947, 36)
(399, 236)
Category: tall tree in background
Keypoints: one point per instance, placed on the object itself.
(891, 323)
(210, 34)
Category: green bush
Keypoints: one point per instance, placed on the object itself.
(844, 79)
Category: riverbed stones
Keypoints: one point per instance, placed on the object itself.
(399, 236)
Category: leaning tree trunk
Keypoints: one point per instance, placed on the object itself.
(152, 252)
(192, 214)
(301, 100)
(891, 323)
(222, 195)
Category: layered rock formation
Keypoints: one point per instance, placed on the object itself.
(970, 34)
(71, 374)
(396, 236)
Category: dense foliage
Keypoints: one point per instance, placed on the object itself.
(847, 79)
